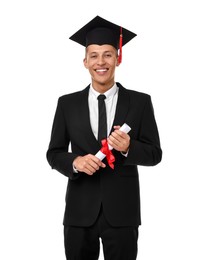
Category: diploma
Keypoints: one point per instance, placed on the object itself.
(100, 154)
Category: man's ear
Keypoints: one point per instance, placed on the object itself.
(85, 63)
(117, 62)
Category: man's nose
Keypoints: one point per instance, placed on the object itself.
(101, 60)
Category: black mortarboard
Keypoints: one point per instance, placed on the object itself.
(100, 31)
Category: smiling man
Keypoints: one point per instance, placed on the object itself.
(103, 202)
(101, 62)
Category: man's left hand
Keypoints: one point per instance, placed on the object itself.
(119, 140)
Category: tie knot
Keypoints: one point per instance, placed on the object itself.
(101, 97)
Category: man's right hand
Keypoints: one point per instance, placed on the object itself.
(88, 164)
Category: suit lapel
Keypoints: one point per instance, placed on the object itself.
(122, 107)
(85, 120)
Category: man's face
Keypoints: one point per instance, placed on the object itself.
(101, 61)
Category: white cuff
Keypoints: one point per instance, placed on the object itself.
(74, 169)
(125, 154)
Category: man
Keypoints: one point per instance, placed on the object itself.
(103, 199)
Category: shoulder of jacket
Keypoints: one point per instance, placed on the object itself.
(72, 96)
(134, 93)
(139, 94)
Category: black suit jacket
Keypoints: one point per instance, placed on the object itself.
(117, 190)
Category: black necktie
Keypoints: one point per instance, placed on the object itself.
(102, 123)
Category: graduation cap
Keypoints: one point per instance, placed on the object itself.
(100, 31)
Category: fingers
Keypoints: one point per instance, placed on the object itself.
(116, 127)
(88, 164)
(119, 140)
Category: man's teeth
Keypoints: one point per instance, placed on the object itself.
(101, 70)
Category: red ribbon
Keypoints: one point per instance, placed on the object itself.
(109, 155)
(120, 46)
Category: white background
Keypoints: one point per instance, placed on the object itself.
(38, 63)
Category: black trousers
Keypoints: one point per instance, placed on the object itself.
(82, 243)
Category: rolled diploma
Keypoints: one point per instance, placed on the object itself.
(124, 128)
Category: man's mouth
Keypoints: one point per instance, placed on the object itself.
(101, 70)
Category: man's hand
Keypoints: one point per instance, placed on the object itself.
(88, 164)
(119, 140)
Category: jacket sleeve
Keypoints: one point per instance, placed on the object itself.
(58, 155)
(145, 150)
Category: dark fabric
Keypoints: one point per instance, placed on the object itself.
(102, 119)
(100, 31)
(117, 190)
(82, 243)
(102, 36)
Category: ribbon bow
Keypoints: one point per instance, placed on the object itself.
(109, 155)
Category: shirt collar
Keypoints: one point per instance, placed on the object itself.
(109, 93)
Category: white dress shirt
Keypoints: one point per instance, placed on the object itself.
(110, 103)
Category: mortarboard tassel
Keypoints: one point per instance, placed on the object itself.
(120, 46)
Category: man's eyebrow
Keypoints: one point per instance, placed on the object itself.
(96, 52)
